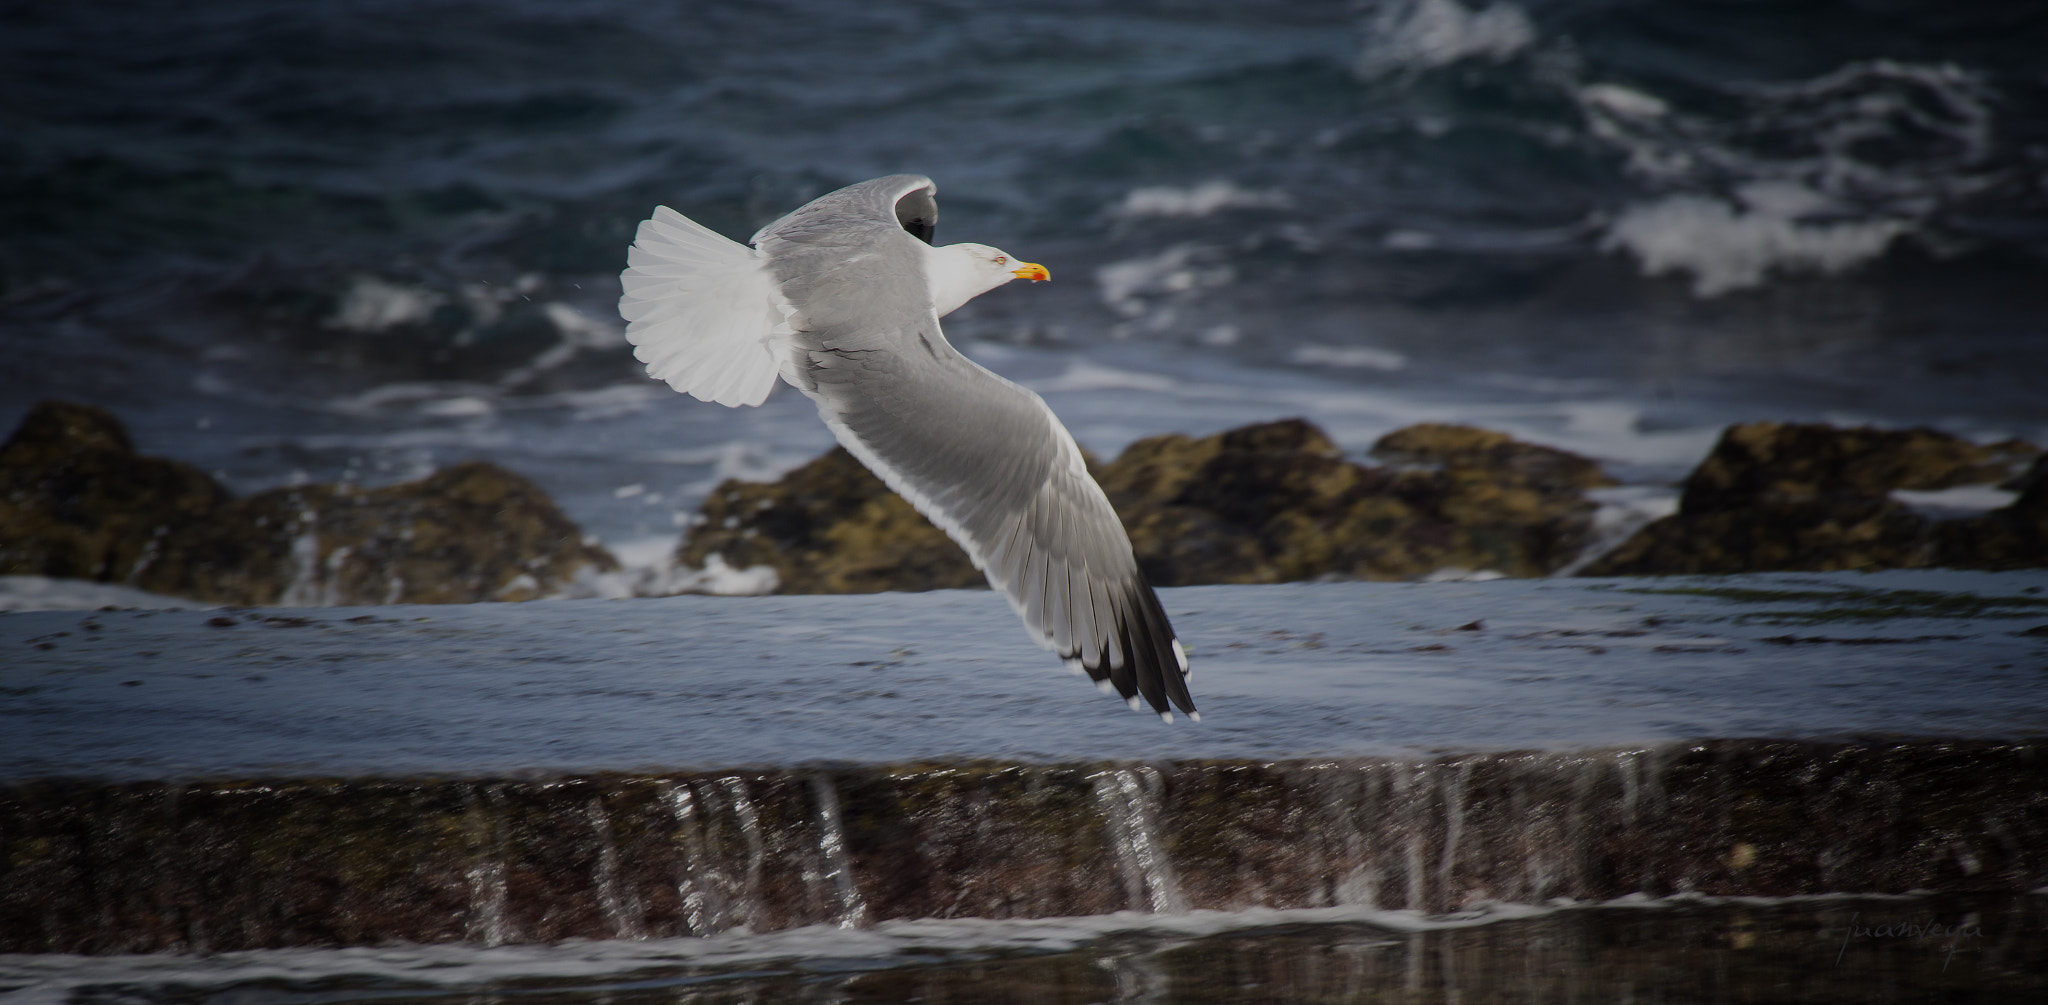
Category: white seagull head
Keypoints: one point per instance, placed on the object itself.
(958, 273)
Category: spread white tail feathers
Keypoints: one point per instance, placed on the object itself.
(702, 311)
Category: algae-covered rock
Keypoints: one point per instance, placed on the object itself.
(76, 501)
(1278, 502)
(467, 533)
(1812, 497)
(1266, 503)
(1457, 446)
(827, 527)
(1775, 463)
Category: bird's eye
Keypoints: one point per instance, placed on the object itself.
(1000, 260)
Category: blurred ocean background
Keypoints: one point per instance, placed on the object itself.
(361, 239)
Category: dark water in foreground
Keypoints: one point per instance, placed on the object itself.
(1846, 950)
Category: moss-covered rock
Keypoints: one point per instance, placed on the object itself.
(77, 501)
(1813, 497)
(827, 527)
(1442, 444)
(1266, 503)
(467, 533)
(1278, 502)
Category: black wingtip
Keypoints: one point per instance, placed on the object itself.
(1161, 662)
(1141, 657)
(1146, 659)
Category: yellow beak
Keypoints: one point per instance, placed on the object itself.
(1032, 271)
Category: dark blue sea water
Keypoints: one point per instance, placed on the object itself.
(361, 238)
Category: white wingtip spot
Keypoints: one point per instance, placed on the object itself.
(1181, 656)
(1074, 667)
(1103, 686)
(1132, 701)
(1166, 717)
(1194, 716)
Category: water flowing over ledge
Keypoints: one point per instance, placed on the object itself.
(227, 865)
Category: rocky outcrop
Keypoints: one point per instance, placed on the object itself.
(1810, 497)
(1263, 504)
(77, 501)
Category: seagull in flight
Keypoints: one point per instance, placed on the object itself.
(842, 299)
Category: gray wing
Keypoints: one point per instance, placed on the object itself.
(984, 459)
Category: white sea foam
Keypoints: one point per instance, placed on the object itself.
(1410, 240)
(1727, 248)
(373, 304)
(1454, 574)
(1085, 376)
(748, 460)
(1349, 356)
(719, 578)
(1424, 34)
(42, 593)
(1129, 287)
(419, 397)
(608, 401)
(579, 333)
(1620, 100)
(1961, 501)
(1826, 173)
(648, 568)
(467, 406)
(1623, 510)
(1196, 200)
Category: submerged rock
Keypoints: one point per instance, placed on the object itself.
(1266, 503)
(77, 501)
(1812, 497)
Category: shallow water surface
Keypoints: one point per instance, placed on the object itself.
(1952, 948)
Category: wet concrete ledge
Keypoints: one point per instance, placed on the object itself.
(105, 867)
